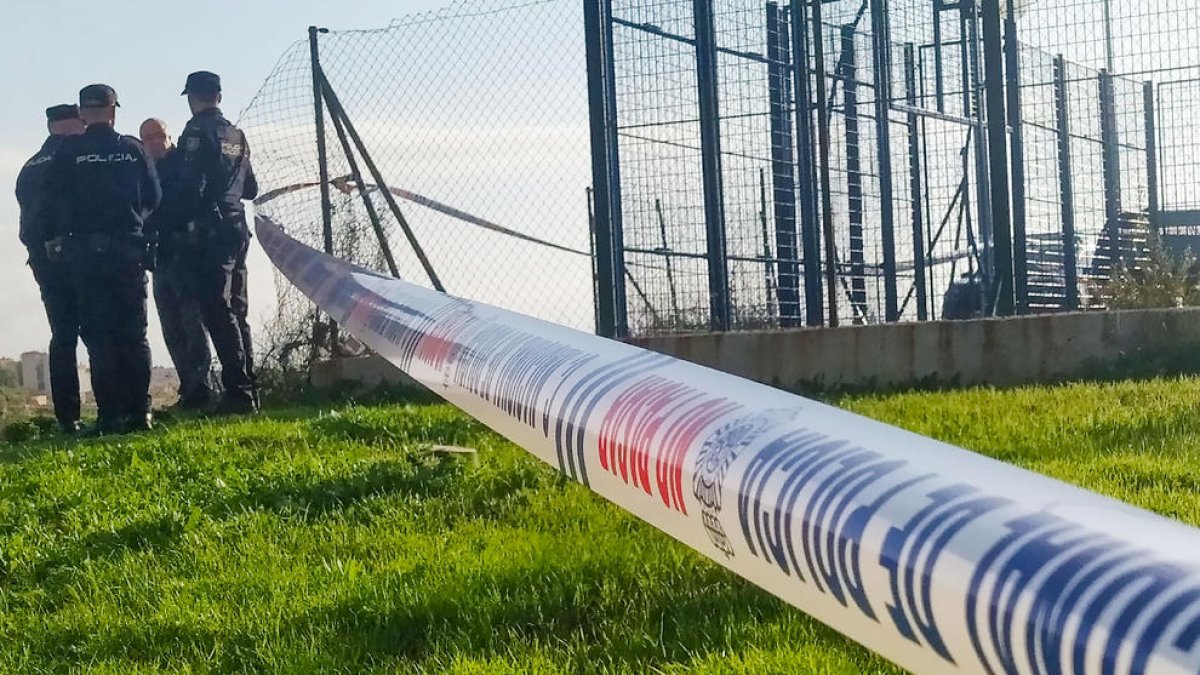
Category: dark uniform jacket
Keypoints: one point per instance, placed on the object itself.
(101, 184)
(169, 168)
(215, 176)
(170, 235)
(31, 185)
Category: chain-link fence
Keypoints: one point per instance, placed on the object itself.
(475, 119)
(741, 164)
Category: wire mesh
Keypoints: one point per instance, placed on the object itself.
(483, 108)
(475, 115)
(1115, 139)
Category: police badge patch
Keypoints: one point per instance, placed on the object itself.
(713, 462)
(192, 145)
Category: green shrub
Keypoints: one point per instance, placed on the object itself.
(1164, 281)
(20, 432)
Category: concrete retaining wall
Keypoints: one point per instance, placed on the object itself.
(365, 371)
(994, 351)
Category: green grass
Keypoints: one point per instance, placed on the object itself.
(309, 541)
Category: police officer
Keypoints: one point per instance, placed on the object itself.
(175, 282)
(206, 201)
(53, 279)
(106, 188)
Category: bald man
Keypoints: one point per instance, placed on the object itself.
(175, 283)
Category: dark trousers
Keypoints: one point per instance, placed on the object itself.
(58, 295)
(111, 292)
(225, 304)
(183, 326)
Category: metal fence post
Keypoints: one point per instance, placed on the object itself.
(1151, 151)
(591, 209)
(810, 226)
(823, 149)
(1111, 141)
(915, 184)
(339, 112)
(993, 55)
(854, 176)
(939, 61)
(974, 107)
(610, 254)
(1066, 188)
(616, 209)
(882, 63)
(363, 191)
(710, 147)
(322, 162)
(783, 176)
(1020, 245)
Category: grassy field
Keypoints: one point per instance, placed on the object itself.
(337, 541)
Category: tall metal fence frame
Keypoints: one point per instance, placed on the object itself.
(764, 164)
(813, 280)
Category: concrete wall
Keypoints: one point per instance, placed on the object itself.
(993, 351)
(367, 371)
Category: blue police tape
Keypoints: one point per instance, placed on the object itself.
(937, 558)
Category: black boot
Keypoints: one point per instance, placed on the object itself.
(237, 405)
(70, 427)
(194, 401)
(106, 426)
(139, 423)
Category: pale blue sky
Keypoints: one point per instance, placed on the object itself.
(144, 50)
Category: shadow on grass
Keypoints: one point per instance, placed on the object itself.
(421, 476)
(577, 610)
(148, 535)
(413, 426)
(152, 643)
(418, 475)
(1150, 432)
(54, 575)
(27, 452)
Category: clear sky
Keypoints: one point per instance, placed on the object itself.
(144, 50)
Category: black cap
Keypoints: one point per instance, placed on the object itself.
(58, 113)
(203, 82)
(97, 96)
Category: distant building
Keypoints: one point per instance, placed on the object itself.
(35, 378)
(35, 375)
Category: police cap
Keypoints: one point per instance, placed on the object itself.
(58, 113)
(203, 82)
(98, 96)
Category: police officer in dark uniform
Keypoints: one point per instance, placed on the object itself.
(53, 279)
(175, 281)
(206, 201)
(105, 190)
